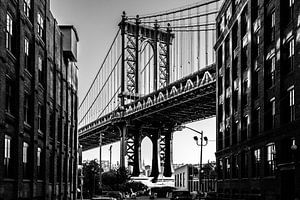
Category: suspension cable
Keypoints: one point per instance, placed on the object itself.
(99, 69)
(176, 11)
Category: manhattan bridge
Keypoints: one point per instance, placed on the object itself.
(159, 73)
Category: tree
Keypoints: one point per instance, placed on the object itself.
(116, 179)
(122, 175)
(91, 171)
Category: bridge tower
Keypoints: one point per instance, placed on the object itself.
(133, 37)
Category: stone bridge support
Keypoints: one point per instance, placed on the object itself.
(168, 153)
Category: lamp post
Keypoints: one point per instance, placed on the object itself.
(180, 128)
(110, 148)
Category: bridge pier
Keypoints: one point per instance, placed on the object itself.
(168, 160)
(155, 155)
(137, 154)
(123, 133)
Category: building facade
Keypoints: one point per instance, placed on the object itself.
(38, 103)
(258, 99)
(187, 177)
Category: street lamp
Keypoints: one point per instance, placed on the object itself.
(110, 148)
(180, 128)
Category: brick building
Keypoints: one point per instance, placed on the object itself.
(38, 103)
(258, 99)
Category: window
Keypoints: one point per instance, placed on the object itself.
(39, 117)
(228, 14)
(26, 109)
(288, 57)
(255, 9)
(270, 72)
(256, 122)
(52, 123)
(25, 160)
(58, 170)
(244, 59)
(58, 90)
(270, 32)
(270, 114)
(244, 164)
(270, 165)
(51, 81)
(7, 156)
(234, 36)
(40, 70)
(25, 153)
(291, 92)
(221, 26)
(26, 53)
(245, 93)
(220, 57)
(183, 179)
(244, 131)
(9, 33)
(291, 9)
(255, 47)
(38, 162)
(227, 168)
(255, 85)
(235, 97)
(244, 22)
(9, 96)
(256, 162)
(227, 136)
(220, 139)
(27, 8)
(287, 7)
(40, 22)
(220, 169)
(234, 132)
(235, 166)
(227, 49)
(273, 107)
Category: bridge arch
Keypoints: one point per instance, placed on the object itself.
(146, 154)
(146, 69)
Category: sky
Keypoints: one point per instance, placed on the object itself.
(96, 22)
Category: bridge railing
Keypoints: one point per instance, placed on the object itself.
(198, 79)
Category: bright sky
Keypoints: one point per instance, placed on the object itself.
(97, 23)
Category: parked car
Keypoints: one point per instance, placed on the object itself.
(103, 198)
(181, 195)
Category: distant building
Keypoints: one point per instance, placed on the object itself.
(258, 99)
(38, 103)
(187, 177)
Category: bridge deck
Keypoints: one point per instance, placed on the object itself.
(186, 100)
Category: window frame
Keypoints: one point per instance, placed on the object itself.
(7, 156)
(39, 116)
(270, 159)
(256, 162)
(273, 110)
(9, 96)
(26, 108)
(291, 91)
(27, 8)
(9, 32)
(40, 64)
(40, 24)
(26, 52)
